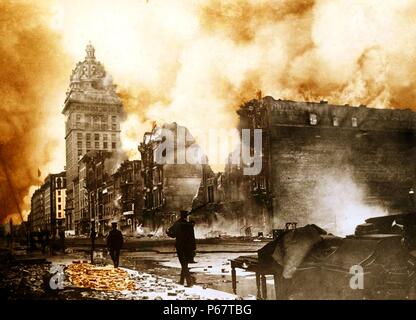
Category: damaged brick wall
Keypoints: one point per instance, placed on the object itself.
(375, 148)
(380, 163)
(180, 185)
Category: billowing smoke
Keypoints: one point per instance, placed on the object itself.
(194, 62)
(341, 203)
(226, 51)
(219, 227)
(33, 69)
(356, 53)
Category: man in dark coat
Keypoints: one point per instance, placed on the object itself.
(93, 236)
(185, 244)
(62, 240)
(115, 243)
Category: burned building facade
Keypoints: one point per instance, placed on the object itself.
(93, 112)
(304, 143)
(171, 186)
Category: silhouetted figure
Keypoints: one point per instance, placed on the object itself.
(32, 242)
(248, 231)
(185, 244)
(42, 238)
(9, 240)
(48, 242)
(27, 237)
(62, 240)
(115, 243)
(93, 236)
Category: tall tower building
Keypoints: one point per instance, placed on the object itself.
(93, 112)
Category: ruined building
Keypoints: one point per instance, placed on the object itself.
(170, 186)
(318, 159)
(92, 112)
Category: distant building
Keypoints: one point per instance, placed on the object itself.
(37, 219)
(93, 112)
(98, 197)
(128, 180)
(110, 193)
(48, 205)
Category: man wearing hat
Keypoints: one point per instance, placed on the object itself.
(185, 244)
(114, 243)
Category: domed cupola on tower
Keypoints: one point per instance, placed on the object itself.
(90, 82)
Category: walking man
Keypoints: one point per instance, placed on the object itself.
(62, 240)
(115, 243)
(185, 244)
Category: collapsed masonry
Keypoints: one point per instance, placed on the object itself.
(169, 184)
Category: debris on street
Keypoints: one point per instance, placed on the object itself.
(125, 284)
(24, 281)
(86, 275)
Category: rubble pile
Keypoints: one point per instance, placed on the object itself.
(86, 275)
(24, 281)
(216, 234)
(107, 283)
(160, 288)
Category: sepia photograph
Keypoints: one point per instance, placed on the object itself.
(212, 150)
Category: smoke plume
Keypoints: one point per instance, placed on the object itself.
(340, 203)
(33, 68)
(341, 51)
(195, 62)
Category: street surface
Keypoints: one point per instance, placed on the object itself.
(151, 264)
